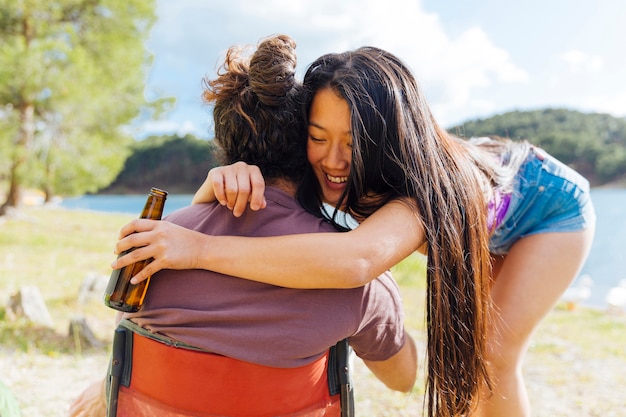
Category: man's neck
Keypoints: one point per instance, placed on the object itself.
(285, 185)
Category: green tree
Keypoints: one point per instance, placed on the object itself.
(72, 76)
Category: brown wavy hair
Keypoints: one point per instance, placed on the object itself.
(258, 108)
(400, 152)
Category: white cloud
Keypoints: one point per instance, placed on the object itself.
(580, 62)
(171, 127)
(192, 35)
(451, 69)
(160, 125)
(611, 104)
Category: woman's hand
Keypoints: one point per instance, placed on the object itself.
(233, 186)
(169, 245)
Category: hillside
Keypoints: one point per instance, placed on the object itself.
(176, 164)
(592, 143)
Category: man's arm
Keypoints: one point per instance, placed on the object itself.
(91, 402)
(400, 371)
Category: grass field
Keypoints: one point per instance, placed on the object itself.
(575, 366)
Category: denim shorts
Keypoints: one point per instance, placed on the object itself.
(548, 196)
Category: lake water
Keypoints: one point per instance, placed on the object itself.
(126, 204)
(606, 263)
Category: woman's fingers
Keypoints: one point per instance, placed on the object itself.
(257, 183)
(237, 185)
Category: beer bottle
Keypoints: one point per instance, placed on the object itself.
(120, 293)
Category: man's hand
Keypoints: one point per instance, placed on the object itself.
(169, 245)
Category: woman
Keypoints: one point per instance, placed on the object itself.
(500, 220)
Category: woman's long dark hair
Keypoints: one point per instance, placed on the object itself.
(400, 152)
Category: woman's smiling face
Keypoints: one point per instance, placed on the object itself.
(329, 144)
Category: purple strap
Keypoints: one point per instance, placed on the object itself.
(497, 208)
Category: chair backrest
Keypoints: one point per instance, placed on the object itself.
(340, 376)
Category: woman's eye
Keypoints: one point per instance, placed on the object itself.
(314, 139)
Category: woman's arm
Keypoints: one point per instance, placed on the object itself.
(315, 260)
(234, 186)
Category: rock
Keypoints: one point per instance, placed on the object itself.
(80, 329)
(92, 288)
(28, 303)
(616, 297)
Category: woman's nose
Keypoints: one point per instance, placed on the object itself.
(337, 158)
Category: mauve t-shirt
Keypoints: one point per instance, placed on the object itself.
(262, 323)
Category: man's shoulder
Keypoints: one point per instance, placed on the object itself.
(283, 205)
(190, 210)
(384, 286)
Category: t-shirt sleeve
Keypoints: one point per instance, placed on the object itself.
(381, 333)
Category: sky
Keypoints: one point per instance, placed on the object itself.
(473, 59)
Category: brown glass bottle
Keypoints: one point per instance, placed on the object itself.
(120, 293)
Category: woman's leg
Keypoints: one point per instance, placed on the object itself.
(528, 283)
